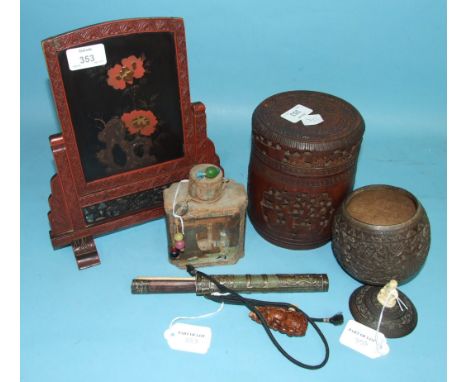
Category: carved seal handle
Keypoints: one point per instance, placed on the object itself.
(286, 321)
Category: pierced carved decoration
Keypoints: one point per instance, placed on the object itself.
(297, 212)
(316, 163)
(307, 159)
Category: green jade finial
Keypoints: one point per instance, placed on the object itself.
(211, 172)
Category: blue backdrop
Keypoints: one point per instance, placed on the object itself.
(388, 58)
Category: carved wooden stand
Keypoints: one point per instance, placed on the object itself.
(81, 209)
(67, 215)
(85, 252)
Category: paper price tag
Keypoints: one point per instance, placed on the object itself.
(296, 113)
(364, 340)
(86, 57)
(312, 119)
(189, 338)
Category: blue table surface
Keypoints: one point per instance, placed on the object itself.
(386, 58)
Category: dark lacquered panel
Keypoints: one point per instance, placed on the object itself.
(126, 114)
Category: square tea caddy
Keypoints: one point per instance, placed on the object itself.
(205, 217)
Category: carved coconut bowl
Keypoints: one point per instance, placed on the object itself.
(380, 233)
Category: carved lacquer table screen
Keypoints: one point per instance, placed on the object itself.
(129, 128)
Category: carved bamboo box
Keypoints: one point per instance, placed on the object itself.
(305, 147)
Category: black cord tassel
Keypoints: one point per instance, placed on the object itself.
(336, 320)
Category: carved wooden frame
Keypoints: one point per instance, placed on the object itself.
(71, 194)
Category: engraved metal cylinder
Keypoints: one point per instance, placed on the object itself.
(298, 174)
(381, 233)
(265, 283)
(203, 188)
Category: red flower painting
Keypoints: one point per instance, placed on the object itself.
(119, 76)
(141, 122)
(135, 64)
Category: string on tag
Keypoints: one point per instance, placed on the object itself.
(174, 213)
(390, 293)
(205, 315)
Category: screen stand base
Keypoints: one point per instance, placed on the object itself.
(85, 251)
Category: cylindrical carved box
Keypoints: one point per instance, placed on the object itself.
(305, 147)
(381, 233)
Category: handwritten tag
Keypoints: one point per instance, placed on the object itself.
(188, 338)
(312, 119)
(296, 113)
(364, 340)
(86, 57)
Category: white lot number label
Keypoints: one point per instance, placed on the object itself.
(189, 338)
(86, 57)
(364, 340)
(311, 119)
(302, 113)
(296, 113)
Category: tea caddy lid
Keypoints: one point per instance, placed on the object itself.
(206, 182)
(342, 128)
